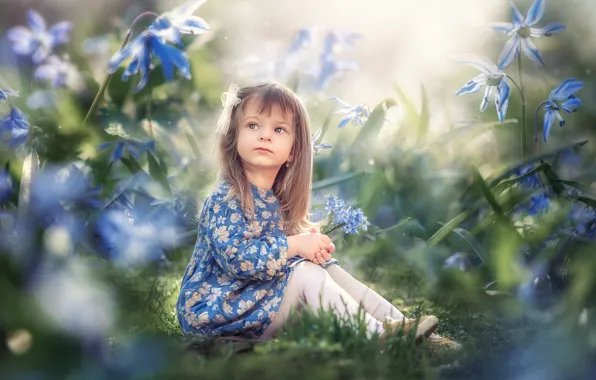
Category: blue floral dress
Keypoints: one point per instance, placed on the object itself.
(238, 273)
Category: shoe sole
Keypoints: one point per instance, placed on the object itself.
(426, 328)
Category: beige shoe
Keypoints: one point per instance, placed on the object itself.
(424, 327)
(441, 342)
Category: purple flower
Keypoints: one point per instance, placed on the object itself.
(56, 71)
(4, 94)
(5, 186)
(561, 98)
(14, 128)
(521, 30)
(37, 41)
(134, 147)
(331, 67)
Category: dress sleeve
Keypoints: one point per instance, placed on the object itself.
(238, 247)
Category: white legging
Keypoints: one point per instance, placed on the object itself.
(334, 288)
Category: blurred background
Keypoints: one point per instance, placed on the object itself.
(98, 199)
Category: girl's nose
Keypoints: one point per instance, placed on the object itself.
(265, 137)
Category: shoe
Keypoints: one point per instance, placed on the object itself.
(441, 342)
(424, 327)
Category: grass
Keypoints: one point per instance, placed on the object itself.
(319, 346)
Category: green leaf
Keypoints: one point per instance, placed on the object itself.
(553, 180)
(511, 170)
(193, 145)
(118, 90)
(132, 164)
(490, 198)
(424, 119)
(328, 182)
(508, 183)
(157, 172)
(444, 231)
(394, 227)
(472, 242)
(373, 125)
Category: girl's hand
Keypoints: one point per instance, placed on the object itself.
(311, 246)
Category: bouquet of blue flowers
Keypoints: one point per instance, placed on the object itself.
(351, 219)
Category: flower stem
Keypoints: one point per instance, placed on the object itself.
(106, 82)
(334, 228)
(523, 106)
(536, 143)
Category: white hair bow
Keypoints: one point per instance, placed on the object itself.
(229, 100)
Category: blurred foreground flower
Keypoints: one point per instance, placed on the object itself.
(5, 93)
(539, 204)
(357, 114)
(57, 191)
(135, 147)
(561, 98)
(14, 128)
(153, 43)
(351, 219)
(521, 30)
(131, 241)
(5, 186)
(57, 72)
(531, 181)
(494, 80)
(73, 299)
(37, 41)
(459, 261)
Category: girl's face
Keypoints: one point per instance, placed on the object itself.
(265, 140)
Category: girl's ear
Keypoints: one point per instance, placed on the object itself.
(290, 157)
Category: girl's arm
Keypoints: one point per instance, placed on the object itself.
(236, 251)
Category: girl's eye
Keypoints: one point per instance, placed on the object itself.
(280, 128)
(250, 125)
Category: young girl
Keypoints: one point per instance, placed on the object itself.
(257, 254)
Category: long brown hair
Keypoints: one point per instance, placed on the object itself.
(292, 185)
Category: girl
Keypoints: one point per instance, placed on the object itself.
(257, 254)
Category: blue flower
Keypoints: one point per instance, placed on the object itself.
(153, 42)
(539, 204)
(131, 241)
(330, 67)
(182, 19)
(56, 71)
(494, 80)
(315, 142)
(14, 128)
(303, 38)
(150, 43)
(530, 182)
(335, 41)
(349, 218)
(357, 114)
(4, 94)
(521, 30)
(134, 147)
(38, 41)
(58, 190)
(5, 186)
(561, 98)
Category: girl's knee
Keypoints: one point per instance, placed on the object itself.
(310, 272)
